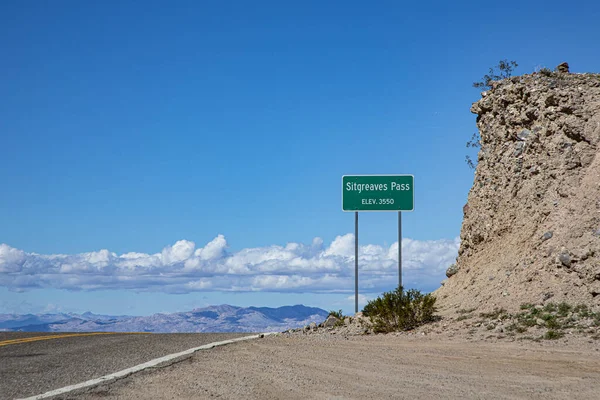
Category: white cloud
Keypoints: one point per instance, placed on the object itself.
(183, 268)
(341, 246)
(10, 259)
(180, 251)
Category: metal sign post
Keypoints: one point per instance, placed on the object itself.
(399, 248)
(377, 193)
(355, 262)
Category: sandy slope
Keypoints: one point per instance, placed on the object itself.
(372, 367)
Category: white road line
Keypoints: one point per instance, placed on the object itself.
(140, 367)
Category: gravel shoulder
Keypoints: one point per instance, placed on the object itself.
(371, 367)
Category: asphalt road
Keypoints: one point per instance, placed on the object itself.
(29, 366)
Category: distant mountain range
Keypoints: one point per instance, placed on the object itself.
(223, 318)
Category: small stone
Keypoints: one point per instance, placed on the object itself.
(452, 270)
(563, 67)
(519, 146)
(491, 278)
(504, 294)
(312, 326)
(565, 259)
(524, 134)
(443, 282)
(546, 236)
(597, 232)
(330, 322)
(547, 296)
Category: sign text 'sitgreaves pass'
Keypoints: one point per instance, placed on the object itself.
(378, 193)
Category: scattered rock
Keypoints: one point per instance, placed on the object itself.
(330, 322)
(563, 67)
(547, 235)
(524, 134)
(519, 146)
(565, 259)
(547, 296)
(452, 270)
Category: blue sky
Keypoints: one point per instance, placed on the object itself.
(130, 126)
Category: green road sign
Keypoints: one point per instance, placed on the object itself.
(378, 193)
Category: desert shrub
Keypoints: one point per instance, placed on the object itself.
(526, 319)
(497, 313)
(553, 335)
(521, 329)
(338, 314)
(563, 309)
(400, 310)
(535, 311)
(553, 323)
(582, 310)
(503, 70)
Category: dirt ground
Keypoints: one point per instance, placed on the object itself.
(372, 367)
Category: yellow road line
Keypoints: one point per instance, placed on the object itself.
(48, 337)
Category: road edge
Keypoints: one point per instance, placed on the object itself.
(141, 367)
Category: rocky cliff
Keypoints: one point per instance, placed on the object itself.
(531, 228)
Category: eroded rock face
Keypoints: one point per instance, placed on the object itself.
(534, 208)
